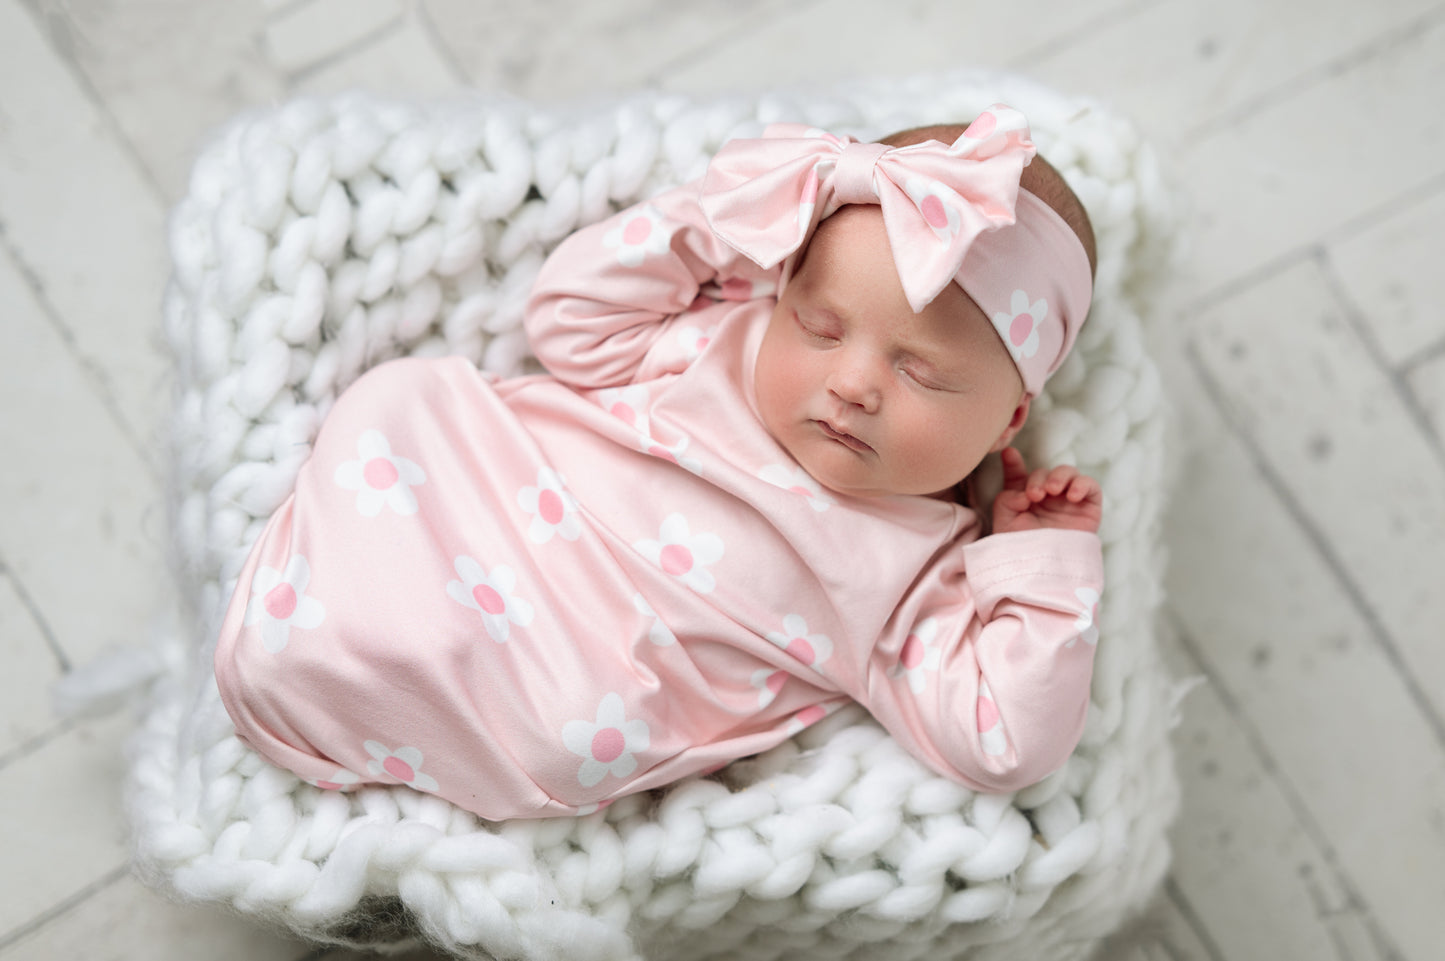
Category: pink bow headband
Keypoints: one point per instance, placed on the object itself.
(952, 213)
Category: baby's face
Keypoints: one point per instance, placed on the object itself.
(869, 397)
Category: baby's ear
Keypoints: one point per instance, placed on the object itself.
(1015, 424)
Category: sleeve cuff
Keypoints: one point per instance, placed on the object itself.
(1001, 565)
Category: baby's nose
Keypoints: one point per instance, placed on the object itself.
(856, 385)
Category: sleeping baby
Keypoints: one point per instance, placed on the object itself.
(737, 501)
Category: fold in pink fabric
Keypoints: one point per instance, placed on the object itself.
(952, 213)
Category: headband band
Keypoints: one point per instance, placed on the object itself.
(952, 213)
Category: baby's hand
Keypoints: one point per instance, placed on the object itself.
(1061, 498)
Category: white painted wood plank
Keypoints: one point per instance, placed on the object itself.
(67, 797)
(168, 71)
(1296, 376)
(30, 668)
(1163, 933)
(304, 35)
(1391, 270)
(1305, 672)
(1290, 173)
(1181, 64)
(820, 43)
(83, 219)
(553, 49)
(81, 526)
(1427, 382)
(126, 920)
(402, 62)
(1243, 860)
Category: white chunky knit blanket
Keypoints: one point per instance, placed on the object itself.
(323, 237)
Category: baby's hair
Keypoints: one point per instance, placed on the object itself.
(1040, 178)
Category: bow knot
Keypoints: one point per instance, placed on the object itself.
(853, 176)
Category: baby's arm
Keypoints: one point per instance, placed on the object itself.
(989, 682)
(602, 299)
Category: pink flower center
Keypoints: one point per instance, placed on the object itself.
(398, 769)
(328, 785)
(776, 680)
(281, 601)
(912, 655)
(987, 714)
(933, 212)
(800, 489)
(801, 649)
(982, 127)
(676, 559)
(379, 473)
(638, 229)
(623, 412)
(549, 505)
(488, 599)
(608, 745)
(810, 715)
(658, 451)
(1019, 330)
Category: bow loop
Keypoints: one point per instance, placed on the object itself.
(764, 197)
(941, 203)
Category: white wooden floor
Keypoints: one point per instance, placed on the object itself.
(1306, 356)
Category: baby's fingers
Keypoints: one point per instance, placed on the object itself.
(1059, 478)
(1081, 488)
(1015, 471)
(1037, 485)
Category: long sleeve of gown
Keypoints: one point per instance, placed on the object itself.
(606, 302)
(985, 671)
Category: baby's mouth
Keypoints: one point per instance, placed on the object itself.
(847, 440)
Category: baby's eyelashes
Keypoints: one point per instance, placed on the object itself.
(816, 330)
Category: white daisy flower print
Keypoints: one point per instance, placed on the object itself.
(279, 602)
(769, 682)
(339, 781)
(794, 479)
(379, 477)
(587, 809)
(693, 340)
(808, 202)
(553, 508)
(684, 555)
(609, 745)
(672, 453)
(809, 649)
(639, 234)
(1019, 325)
(627, 404)
(404, 764)
(920, 655)
(491, 596)
(1087, 629)
(658, 632)
(809, 716)
(990, 725)
(936, 203)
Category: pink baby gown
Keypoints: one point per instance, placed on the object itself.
(533, 596)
